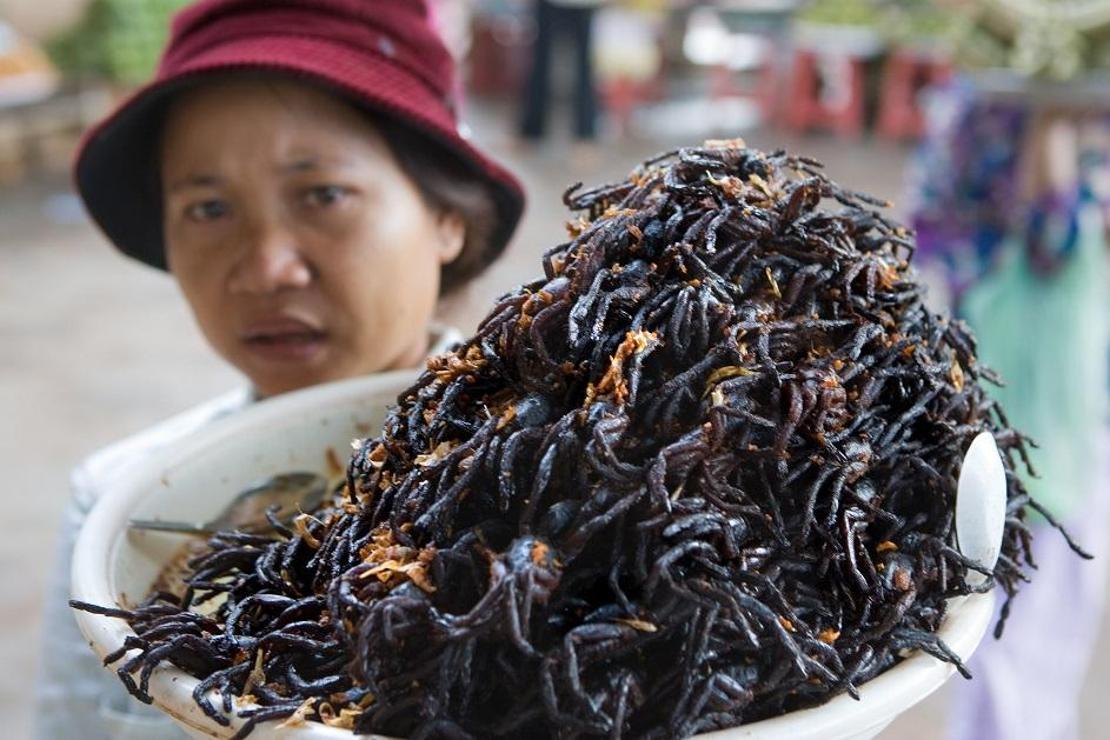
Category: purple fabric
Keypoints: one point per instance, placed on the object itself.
(1027, 685)
(963, 181)
(965, 188)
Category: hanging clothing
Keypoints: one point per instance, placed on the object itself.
(1048, 340)
(1026, 255)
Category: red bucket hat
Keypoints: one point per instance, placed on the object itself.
(381, 55)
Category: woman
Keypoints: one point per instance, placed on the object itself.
(297, 167)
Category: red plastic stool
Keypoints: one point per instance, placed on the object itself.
(905, 73)
(621, 96)
(827, 92)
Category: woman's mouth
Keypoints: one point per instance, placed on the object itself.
(284, 340)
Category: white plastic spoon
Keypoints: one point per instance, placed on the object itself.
(981, 505)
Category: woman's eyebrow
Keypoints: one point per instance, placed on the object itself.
(309, 164)
(195, 180)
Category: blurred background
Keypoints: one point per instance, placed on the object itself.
(986, 123)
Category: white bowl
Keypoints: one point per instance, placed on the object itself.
(194, 480)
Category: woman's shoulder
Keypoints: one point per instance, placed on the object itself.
(97, 472)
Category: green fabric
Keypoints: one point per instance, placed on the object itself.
(1048, 338)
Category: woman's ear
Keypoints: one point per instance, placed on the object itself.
(451, 230)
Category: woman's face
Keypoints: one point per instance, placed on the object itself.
(306, 253)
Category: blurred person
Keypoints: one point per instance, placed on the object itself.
(1013, 198)
(312, 197)
(552, 18)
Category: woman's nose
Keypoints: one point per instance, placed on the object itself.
(272, 261)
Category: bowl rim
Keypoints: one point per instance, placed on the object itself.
(105, 531)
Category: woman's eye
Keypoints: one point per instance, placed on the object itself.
(206, 210)
(325, 195)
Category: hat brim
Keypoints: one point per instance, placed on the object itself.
(117, 168)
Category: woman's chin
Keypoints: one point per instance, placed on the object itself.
(273, 376)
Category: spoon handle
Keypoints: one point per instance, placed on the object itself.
(161, 526)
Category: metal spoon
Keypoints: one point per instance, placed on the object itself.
(295, 492)
(981, 504)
